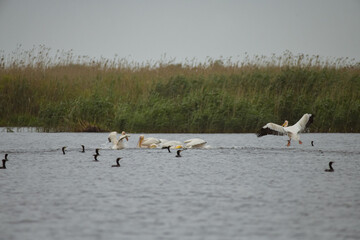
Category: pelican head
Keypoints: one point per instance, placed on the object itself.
(141, 139)
(285, 124)
(124, 133)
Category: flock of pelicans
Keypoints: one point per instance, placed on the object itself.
(270, 128)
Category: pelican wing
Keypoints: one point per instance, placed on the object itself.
(171, 144)
(195, 143)
(271, 128)
(302, 124)
(149, 141)
(112, 137)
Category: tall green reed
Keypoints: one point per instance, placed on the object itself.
(64, 92)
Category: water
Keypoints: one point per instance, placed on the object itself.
(240, 187)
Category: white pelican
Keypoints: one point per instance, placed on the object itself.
(118, 144)
(148, 142)
(172, 144)
(194, 143)
(292, 131)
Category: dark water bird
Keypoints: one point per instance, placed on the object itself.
(330, 167)
(95, 157)
(312, 143)
(178, 153)
(6, 156)
(97, 151)
(168, 148)
(117, 162)
(3, 166)
(83, 148)
(63, 150)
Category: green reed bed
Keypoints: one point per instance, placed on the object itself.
(64, 92)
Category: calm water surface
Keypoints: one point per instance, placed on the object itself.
(240, 187)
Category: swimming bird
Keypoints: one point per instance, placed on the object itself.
(178, 153)
(118, 144)
(168, 148)
(83, 148)
(195, 143)
(312, 143)
(97, 151)
(117, 162)
(292, 131)
(6, 156)
(63, 150)
(330, 168)
(148, 142)
(95, 157)
(3, 166)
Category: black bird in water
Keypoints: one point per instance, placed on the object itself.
(168, 148)
(117, 162)
(63, 150)
(330, 167)
(97, 151)
(83, 148)
(3, 166)
(95, 157)
(312, 143)
(6, 156)
(178, 153)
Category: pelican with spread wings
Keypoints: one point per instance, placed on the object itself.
(118, 143)
(291, 131)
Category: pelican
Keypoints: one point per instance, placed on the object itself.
(118, 144)
(148, 142)
(292, 131)
(194, 143)
(172, 144)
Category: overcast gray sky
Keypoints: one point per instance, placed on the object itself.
(144, 30)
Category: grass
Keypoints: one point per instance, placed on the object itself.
(64, 92)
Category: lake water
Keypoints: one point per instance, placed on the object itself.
(239, 187)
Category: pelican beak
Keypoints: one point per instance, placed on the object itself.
(285, 123)
(140, 142)
(127, 139)
(178, 147)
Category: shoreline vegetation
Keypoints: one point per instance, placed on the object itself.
(63, 92)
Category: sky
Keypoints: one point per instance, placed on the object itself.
(144, 30)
